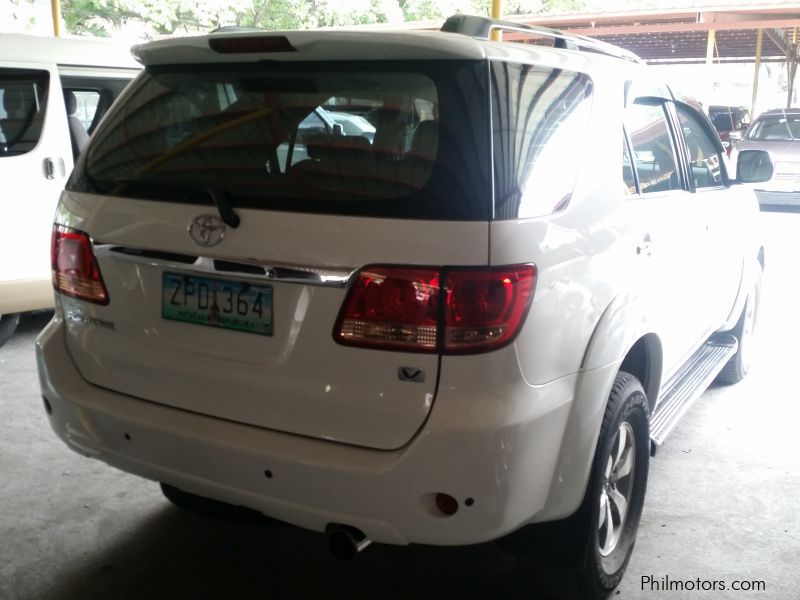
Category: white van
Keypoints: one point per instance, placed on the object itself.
(53, 93)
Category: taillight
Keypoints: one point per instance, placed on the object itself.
(393, 308)
(75, 269)
(484, 308)
(408, 309)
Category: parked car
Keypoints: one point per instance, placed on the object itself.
(777, 132)
(478, 335)
(53, 93)
(730, 122)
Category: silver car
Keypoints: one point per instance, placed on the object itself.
(778, 133)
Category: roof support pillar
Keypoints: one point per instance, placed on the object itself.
(497, 13)
(759, 44)
(791, 66)
(712, 43)
(55, 6)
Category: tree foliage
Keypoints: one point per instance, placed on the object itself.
(104, 17)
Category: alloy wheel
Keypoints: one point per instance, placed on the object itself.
(616, 489)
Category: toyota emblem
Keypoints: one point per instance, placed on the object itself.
(207, 230)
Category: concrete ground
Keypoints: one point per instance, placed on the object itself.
(722, 503)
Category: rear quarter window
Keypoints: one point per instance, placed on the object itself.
(540, 120)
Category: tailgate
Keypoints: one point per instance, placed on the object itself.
(294, 378)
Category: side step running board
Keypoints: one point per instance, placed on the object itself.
(689, 383)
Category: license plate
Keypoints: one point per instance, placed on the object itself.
(236, 305)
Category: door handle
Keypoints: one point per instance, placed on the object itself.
(53, 167)
(645, 246)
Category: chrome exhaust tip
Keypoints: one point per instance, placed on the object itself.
(346, 542)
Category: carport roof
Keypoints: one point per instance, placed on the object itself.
(677, 35)
(681, 35)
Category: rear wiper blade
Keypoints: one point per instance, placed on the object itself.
(218, 197)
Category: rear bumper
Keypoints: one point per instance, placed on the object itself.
(498, 445)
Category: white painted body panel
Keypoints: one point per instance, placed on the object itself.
(298, 380)
(491, 437)
(27, 198)
(514, 430)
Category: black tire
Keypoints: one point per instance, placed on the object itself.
(573, 559)
(8, 325)
(738, 365)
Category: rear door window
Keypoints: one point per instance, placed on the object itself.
(653, 150)
(396, 139)
(23, 103)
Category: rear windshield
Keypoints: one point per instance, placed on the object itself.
(776, 127)
(405, 139)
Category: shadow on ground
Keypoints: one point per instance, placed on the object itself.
(175, 554)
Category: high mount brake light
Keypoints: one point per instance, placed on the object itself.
(254, 44)
(75, 269)
(408, 309)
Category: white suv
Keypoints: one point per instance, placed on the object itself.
(472, 326)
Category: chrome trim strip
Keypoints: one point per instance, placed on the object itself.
(282, 272)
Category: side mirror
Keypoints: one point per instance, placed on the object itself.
(753, 166)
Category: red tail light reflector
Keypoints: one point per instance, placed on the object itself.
(408, 309)
(393, 308)
(484, 309)
(75, 269)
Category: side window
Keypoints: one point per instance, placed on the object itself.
(653, 151)
(540, 122)
(23, 102)
(86, 102)
(704, 158)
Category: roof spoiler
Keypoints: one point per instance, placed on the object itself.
(482, 27)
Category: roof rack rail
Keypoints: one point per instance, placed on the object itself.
(481, 27)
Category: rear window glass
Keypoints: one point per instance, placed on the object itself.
(396, 139)
(23, 103)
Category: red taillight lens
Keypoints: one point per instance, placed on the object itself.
(393, 308)
(485, 307)
(403, 308)
(75, 269)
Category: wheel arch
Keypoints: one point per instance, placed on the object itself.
(644, 360)
(751, 271)
(622, 341)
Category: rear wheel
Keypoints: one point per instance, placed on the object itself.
(8, 324)
(585, 556)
